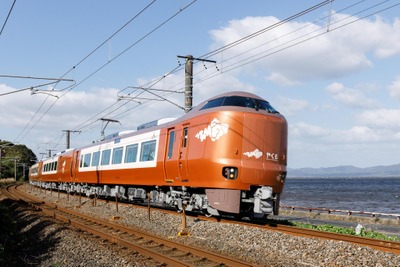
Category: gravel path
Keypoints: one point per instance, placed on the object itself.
(66, 247)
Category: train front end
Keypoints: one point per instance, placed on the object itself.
(264, 161)
(250, 151)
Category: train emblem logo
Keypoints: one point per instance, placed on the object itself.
(257, 154)
(215, 130)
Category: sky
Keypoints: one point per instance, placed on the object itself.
(331, 68)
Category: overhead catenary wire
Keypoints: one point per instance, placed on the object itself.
(73, 68)
(109, 38)
(109, 61)
(252, 59)
(279, 49)
(53, 81)
(94, 119)
(289, 33)
(8, 16)
(296, 41)
(268, 28)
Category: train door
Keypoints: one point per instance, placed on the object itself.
(183, 154)
(74, 165)
(171, 163)
(175, 160)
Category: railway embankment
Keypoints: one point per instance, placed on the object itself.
(29, 238)
(366, 219)
(258, 246)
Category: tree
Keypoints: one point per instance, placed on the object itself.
(12, 154)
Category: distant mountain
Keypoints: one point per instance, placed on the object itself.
(347, 171)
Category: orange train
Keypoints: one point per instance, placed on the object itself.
(228, 155)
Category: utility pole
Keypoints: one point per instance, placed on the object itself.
(68, 136)
(23, 165)
(188, 83)
(15, 169)
(49, 150)
(189, 79)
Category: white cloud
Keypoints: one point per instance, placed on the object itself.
(314, 134)
(394, 88)
(381, 118)
(280, 79)
(290, 106)
(385, 37)
(213, 87)
(356, 134)
(335, 54)
(304, 130)
(31, 119)
(350, 97)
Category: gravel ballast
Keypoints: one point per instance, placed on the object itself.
(258, 246)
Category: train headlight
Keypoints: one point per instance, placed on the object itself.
(230, 173)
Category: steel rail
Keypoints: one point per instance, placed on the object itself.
(382, 245)
(348, 212)
(195, 251)
(92, 225)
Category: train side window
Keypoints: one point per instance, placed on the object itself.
(55, 165)
(86, 161)
(171, 143)
(105, 157)
(148, 150)
(185, 136)
(96, 158)
(117, 155)
(131, 153)
(81, 164)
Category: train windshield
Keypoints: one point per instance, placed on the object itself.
(240, 101)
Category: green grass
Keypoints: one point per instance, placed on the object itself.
(346, 231)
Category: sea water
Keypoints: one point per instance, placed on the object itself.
(358, 194)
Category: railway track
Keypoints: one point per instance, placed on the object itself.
(160, 249)
(387, 246)
(383, 245)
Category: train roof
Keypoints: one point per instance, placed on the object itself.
(236, 100)
(155, 123)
